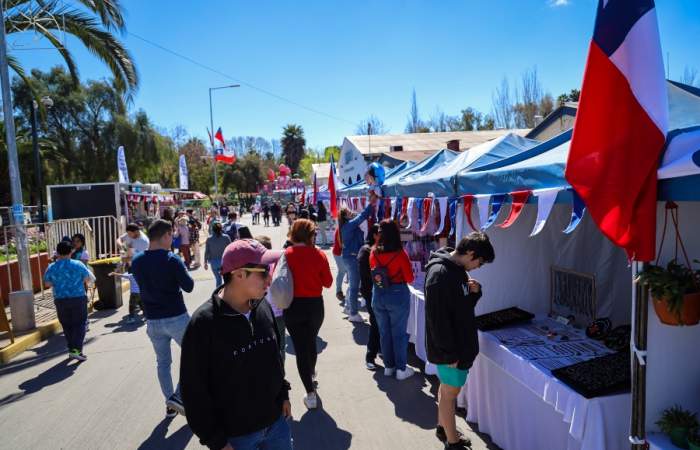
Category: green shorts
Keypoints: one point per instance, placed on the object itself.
(452, 376)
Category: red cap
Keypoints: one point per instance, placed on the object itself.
(246, 251)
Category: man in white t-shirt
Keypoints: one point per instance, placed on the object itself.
(134, 240)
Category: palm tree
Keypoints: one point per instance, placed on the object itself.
(93, 25)
(293, 144)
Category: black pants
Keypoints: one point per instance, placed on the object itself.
(72, 314)
(303, 320)
(134, 303)
(373, 341)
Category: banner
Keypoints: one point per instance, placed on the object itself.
(545, 202)
(519, 198)
(578, 209)
(184, 181)
(468, 202)
(121, 166)
(453, 217)
(496, 203)
(442, 205)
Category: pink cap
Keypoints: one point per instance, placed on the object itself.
(247, 251)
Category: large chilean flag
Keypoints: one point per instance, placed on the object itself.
(621, 125)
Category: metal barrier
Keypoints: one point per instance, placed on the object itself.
(101, 234)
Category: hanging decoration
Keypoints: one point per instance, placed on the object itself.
(518, 200)
(427, 211)
(453, 217)
(387, 208)
(418, 223)
(441, 204)
(468, 202)
(545, 202)
(578, 209)
(409, 212)
(483, 201)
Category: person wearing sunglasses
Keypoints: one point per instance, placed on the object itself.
(231, 373)
(451, 340)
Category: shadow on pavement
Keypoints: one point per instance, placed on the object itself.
(159, 439)
(317, 430)
(320, 345)
(50, 348)
(53, 375)
(125, 326)
(360, 333)
(411, 404)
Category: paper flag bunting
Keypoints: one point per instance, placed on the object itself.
(545, 202)
(398, 206)
(496, 203)
(409, 212)
(363, 202)
(453, 217)
(442, 205)
(482, 203)
(577, 211)
(387, 208)
(380, 210)
(519, 198)
(427, 211)
(468, 202)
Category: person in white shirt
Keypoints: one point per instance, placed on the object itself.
(134, 241)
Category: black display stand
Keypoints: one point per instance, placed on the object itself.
(109, 289)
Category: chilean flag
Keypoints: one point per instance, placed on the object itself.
(331, 190)
(223, 155)
(621, 125)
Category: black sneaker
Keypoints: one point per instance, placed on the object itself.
(175, 403)
(460, 445)
(169, 412)
(442, 436)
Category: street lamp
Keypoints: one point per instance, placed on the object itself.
(211, 122)
(48, 103)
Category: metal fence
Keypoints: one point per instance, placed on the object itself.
(101, 234)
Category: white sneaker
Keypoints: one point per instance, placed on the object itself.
(346, 310)
(311, 401)
(406, 373)
(389, 372)
(356, 318)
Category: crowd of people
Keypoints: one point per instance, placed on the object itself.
(233, 388)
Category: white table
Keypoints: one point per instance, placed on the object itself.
(522, 406)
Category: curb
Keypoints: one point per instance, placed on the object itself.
(36, 336)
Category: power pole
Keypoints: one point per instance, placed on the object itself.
(13, 162)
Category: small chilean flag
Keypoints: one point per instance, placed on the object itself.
(621, 125)
(223, 155)
(332, 189)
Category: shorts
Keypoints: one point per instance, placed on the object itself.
(451, 376)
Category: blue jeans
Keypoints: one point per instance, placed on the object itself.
(161, 331)
(341, 274)
(216, 268)
(277, 436)
(353, 271)
(391, 307)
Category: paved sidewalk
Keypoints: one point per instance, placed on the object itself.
(112, 401)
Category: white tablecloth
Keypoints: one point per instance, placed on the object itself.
(522, 406)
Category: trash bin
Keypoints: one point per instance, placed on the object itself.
(109, 289)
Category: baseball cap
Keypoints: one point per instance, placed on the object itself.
(246, 251)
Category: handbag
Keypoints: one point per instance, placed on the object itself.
(282, 286)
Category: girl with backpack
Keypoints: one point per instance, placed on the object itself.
(391, 272)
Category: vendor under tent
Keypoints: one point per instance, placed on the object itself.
(441, 181)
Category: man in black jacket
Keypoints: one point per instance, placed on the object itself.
(451, 338)
(231, 373)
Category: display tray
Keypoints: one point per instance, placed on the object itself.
(502, 318)
(605, 375)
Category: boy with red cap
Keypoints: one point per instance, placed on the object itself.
(231, 373)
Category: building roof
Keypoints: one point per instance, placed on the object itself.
(322, 170)
(425, 142)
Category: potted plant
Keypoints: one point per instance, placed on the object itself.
(675, 292)
(694, 440)
(678, 424)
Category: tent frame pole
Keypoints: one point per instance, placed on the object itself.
(639, 370)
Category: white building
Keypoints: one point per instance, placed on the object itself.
(391, 149)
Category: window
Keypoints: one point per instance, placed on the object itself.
(358, 177)
(349, 180)
(348, 157)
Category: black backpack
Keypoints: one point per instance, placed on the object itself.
(380, 275)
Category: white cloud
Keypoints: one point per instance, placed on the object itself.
(559, 2)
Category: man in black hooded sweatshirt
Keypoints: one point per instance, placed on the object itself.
(451, 338)
(231, 372)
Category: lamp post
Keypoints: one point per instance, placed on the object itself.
(211, 122)
(48, 103)
(13, 163)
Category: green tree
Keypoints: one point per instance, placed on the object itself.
(199, 165)
(572, 96)
(305, 167)
(332, 150)
(293, 145)
(93, 24)
(245, 175)
(371, 125)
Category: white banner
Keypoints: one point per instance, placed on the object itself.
(482, 203)
(545, 201)
(184, 182)
(121, 166)
(442, 202)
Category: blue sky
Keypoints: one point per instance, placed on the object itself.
(352, 59)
